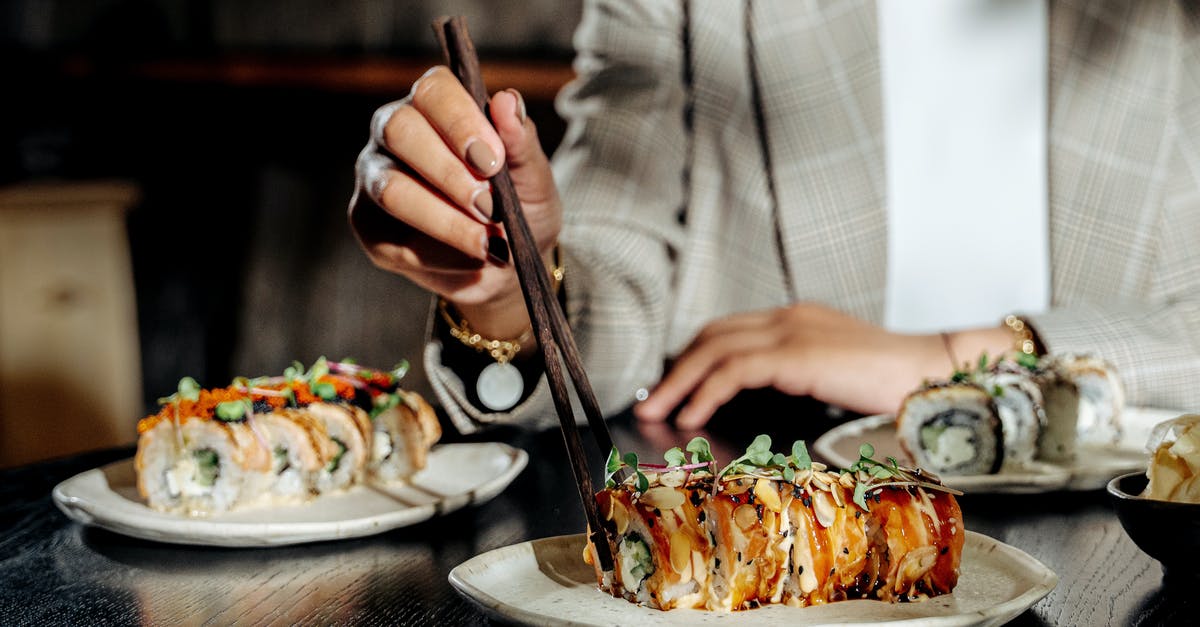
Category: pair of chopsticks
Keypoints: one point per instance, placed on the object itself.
(549, 323)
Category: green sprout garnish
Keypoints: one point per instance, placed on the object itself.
(700, 450)
(883, 474)
(675, 457)
(187, 390)
(616, 462)
(1028, 361)
(234, 411)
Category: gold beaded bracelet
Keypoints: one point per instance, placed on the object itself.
(501, 350)
(1023, 341)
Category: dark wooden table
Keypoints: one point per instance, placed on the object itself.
(54, 571)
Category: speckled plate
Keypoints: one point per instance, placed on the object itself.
(546, 582)
(1094, 466)
(456, 475)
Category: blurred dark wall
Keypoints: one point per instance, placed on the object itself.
(242, 257)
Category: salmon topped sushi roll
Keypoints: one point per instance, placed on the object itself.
(775, 529)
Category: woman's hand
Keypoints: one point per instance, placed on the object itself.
(422, 206)
(804, 349)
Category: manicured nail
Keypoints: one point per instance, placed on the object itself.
(520, 105)
(481, 202)
(498, 250)
(481, 157)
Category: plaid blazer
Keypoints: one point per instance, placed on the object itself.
(727, 156)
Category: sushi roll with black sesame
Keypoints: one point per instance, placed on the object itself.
(1020, 408)
(952, 428)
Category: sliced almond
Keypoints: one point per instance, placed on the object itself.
(699, 568)
(915, 564)
(662, 497)
(847, 480)
(824, 508)
(737, 486)
(620, 517)
(819, 466)
(745, 516)
(768, 495)
(681, 553)
(673, 479)
(651, 477)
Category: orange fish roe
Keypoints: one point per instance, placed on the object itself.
(206, 405)
(304, 395)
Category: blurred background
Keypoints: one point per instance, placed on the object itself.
(173, 185)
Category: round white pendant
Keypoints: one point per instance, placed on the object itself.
(500, 386)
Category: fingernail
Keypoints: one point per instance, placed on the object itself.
(498, 250)
(481, 202)
(480, 156)
(520, 105)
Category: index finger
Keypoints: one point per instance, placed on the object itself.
(450, 109)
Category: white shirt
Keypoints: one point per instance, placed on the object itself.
(965, 114)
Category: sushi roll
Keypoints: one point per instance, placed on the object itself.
(274, 440)
(1057, 441)
(660, 546)
(952, 428)
(753, 543)
(402, 436)
(300, 448)
(781, 530)
(198, 470)
(1101, 396)
(1020, 408)
(349, 429)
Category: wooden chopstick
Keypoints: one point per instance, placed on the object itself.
(549, 323)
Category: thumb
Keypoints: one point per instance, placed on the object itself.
(526, 160)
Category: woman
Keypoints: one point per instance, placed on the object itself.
(726, 203)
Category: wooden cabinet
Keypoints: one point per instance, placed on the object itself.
(70, 375)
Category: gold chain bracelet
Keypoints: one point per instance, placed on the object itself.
(501, 350)
(1022, 335)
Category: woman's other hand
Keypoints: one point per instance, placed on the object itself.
(422, 206)
(805, 350)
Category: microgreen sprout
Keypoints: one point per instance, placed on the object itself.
(616, 462)
(883, 474)
(187, 390)
(700, 450)
(234, 411)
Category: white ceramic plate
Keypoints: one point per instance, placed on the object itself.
(1092, 469)
(546, 582)
(456, 475)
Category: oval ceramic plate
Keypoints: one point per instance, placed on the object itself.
(546, 582)
(456, 475)
(1094, 466)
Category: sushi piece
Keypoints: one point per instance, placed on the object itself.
(952, 428)
(661, 545)
(191, 466)
(349, 429)
(1057, 441)
(771, 529)
(300, 448)
(1019, 406)
(1101, 395)
(402, 437)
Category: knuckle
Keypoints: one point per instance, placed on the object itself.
(400, 127)
(383, 115)
(428, 82)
